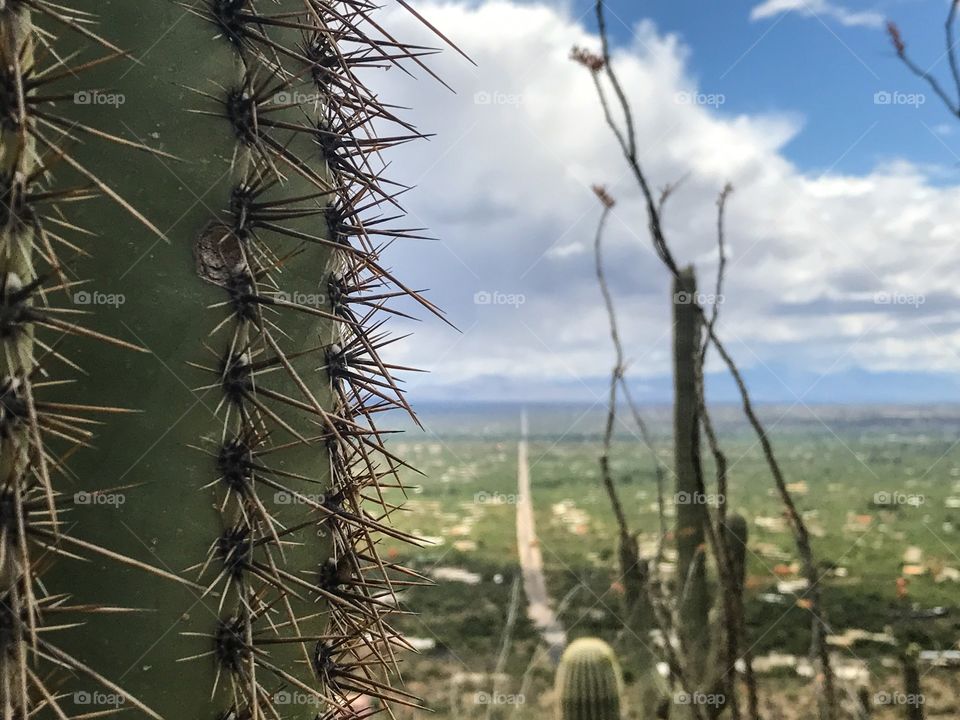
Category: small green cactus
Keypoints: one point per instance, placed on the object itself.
(589, 684)
(701, 638)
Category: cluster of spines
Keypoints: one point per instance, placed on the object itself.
(341, 382)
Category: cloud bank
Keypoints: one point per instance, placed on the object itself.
(817, 8)
(827, 272)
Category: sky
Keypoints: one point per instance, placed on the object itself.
(843, 276)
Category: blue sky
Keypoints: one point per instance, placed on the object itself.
(843, 283)
(818, 67)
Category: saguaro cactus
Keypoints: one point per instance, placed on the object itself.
(589, 685)
(690, 508)
(210, 171)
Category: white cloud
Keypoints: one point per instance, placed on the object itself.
(822, 8)
(505, 184)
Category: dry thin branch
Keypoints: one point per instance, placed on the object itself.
(721, 254)
(901, 49)
(615, 376)
(628, 143)
(659, 467)
(651, 586)
(733, 600)
(631, 568)
(620, 369)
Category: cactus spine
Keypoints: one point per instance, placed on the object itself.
(231, 193)
(690, 510)
(589, 684)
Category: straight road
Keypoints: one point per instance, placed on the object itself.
(539, 608)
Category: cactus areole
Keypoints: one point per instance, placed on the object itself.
(589, 684)
(191, 320)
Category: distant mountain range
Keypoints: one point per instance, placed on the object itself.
(768, 384)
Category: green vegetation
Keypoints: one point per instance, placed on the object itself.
(465, 501)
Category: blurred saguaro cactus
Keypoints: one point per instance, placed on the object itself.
(692, 590)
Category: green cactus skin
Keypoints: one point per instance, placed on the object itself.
(589, 684)
(690, 512)
(229, 186)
